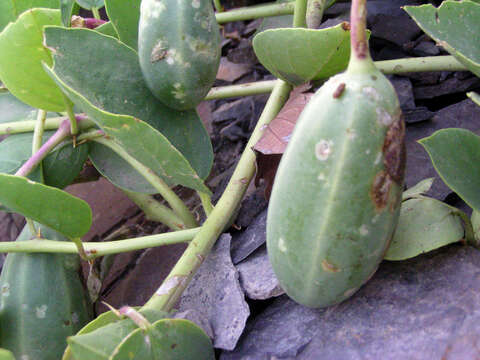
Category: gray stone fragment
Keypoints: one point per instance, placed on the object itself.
(216, 294)
(403, 88)
(426, 48)
(246, 242)
(422, 308)
(198, 318)
(452, 85)
(257, 277)
(464, 114)
(420, 113)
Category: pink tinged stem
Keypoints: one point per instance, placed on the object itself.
(358, 33)
(92, 23)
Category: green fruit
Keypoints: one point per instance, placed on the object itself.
(179, 50)
(476, 225)
(42, 301)
(336, 197)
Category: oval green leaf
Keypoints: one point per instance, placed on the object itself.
(475, 97)
(425, 224)
(124, 16)
(455, 154)
(66, 7)
(129, 95)
(6, 355)
(11, 9)
(420, 188)
(299, 55)
(90, 4)
(47, 205)
(21, 56)
(453, 25)
(107, 29)
(167, 339)
(12, 109)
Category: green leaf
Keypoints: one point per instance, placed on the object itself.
(454, 26)
(475, 97)
(124, 16)
(12, 109)
(47, 205)
(117, 170)
(66, 7)
(59, 168)
(455, 154)
(11, 9)
(167, 339)
(425, 224)
(21, 56)
(298, 55)
(129, 95)
(421, 188)
(99, 338)
(6, 355)
(89, 4)
(107, 29)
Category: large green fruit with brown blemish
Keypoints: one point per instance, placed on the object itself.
(336, 197)
(42, 301)
(179, 50)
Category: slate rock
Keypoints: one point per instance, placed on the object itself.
(426, 48)
(243, 54)
(404, 90)
(420, 113)
(235, 110)
(451, 85)
(197, 318)
(249, 240)
(415, 309)
(464, 114)
(216, 294)
(252, 205)
(257, 277)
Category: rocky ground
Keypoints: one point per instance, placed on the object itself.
(424, 308)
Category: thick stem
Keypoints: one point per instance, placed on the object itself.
(218, 6)
(315, 10)
(71, 115)
(171, 289)
(156, 181)
(156, 211)
(299, 13)
(420, 64)
(255, 12)
(96, 13)
(96, 249)
(18, 127)
(358, 31)
(255, 88)
(206, 202)
(38, 131)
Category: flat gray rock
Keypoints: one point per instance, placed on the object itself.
(424, 308)
(215, 293)
(249, 240)
(257, 277)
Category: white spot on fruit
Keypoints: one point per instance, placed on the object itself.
(384, 117)
(329, 267)
(196, 4)
(41, 311)
(375, 218)
(349, 292)
(6, 289)
(371, 93)
(281, 245)
(323, 149)
(24, 357)
(367, 151)
(75, 318)
(363, 230)
(351, 134)
(378, 159)
(321, 177)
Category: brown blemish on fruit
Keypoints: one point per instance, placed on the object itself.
(159, 52)
(339, 91)
(394, 153)
(329, 267)
(380, 190)
(346, 26)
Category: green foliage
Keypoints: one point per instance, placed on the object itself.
(455, 154)
(124, 16)
(21, 47)
(50, 206)
(10, 10)
(90, 4)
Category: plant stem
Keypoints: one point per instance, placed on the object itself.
(50, 124)
(95, 13)
(71, 116)
(206, 202)
(255, 88)
(61, 134)
(315, 10)
(96, 249)
(299, 13)
(156, 211)
(168, 194)
(255, 12)
(218, 6)
(420, 64)
(171, 289)
(38, 131)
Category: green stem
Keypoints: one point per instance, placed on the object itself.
(255, 88)
(168, 194)
(315, 10)
(31, 226)
(96, 13)
(420, 64)
(96, 249)
(218, 6)
(299, 13)
(71, 115)
(206, 202)
(38, 131)
(156, 211)
(18, 127)
(171, 289)
(255, 12)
